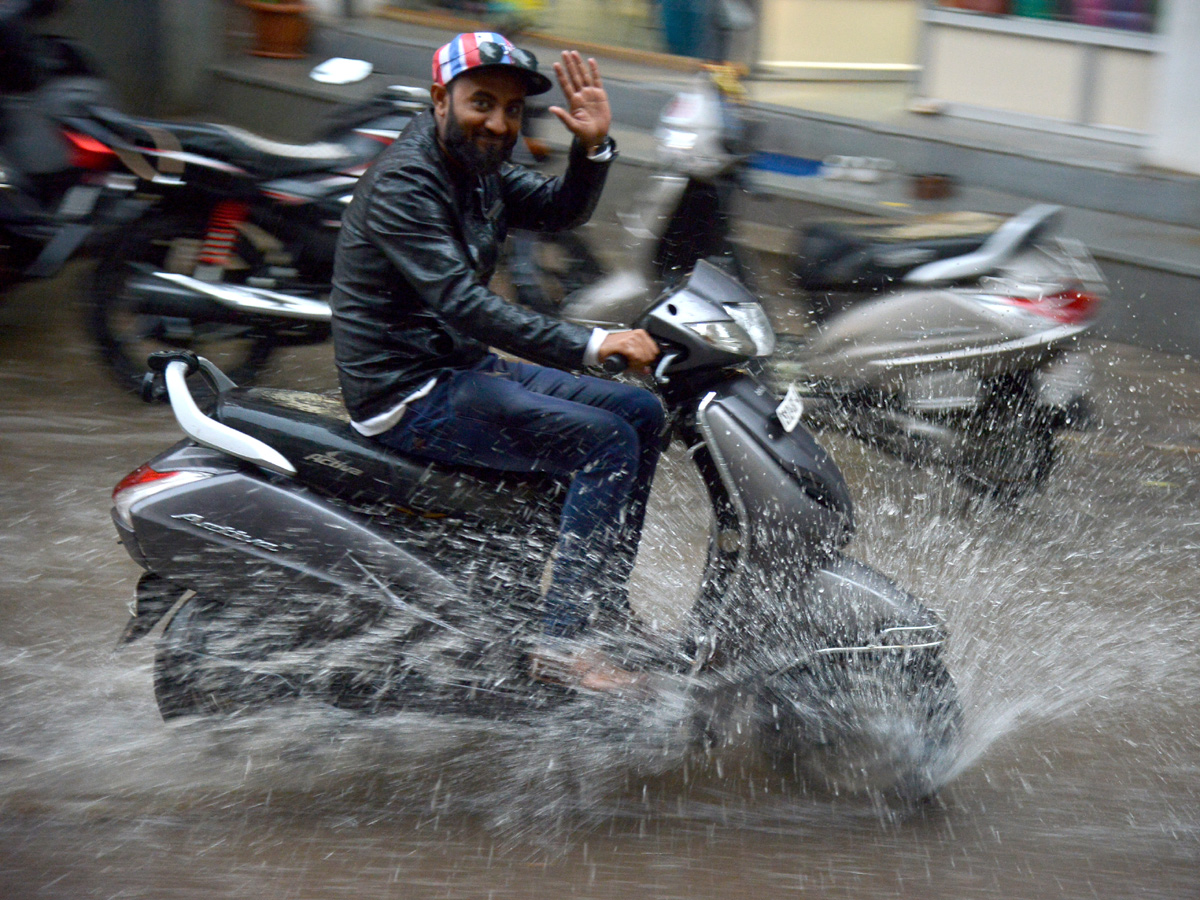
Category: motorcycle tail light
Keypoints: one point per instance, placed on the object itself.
(144, 482)
(89, 153)
(1069, 307)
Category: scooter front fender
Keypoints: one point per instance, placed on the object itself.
(851, 608)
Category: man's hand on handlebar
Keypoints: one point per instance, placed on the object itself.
(637, 347)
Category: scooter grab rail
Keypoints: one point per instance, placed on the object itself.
(209, 432)
(1002, 244)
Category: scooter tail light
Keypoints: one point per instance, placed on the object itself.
(89, 153)
(145, 482)
(1069, 307)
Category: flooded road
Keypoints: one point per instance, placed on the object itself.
(1075, 625)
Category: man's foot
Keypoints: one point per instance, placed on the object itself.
(581, 667)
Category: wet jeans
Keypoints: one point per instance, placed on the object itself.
(604, 436)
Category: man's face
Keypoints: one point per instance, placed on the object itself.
(479, 118)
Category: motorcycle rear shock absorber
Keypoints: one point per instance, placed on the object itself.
(219, 241)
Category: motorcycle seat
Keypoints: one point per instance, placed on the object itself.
(258, 156)
(313, 432)
(864, 256)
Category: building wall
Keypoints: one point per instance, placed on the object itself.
(1175, 142)
(1098, 78)
(839, 31)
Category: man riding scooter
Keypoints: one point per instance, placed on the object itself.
(413, 319)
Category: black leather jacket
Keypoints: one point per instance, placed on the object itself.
(417, 248)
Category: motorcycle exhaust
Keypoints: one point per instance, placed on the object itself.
(175, 294)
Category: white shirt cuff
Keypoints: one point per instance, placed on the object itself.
(591, 354)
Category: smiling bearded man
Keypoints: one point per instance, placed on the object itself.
(414, 319)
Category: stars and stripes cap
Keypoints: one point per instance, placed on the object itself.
(479, 49)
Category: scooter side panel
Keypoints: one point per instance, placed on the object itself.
(867, 344)
(231, 531)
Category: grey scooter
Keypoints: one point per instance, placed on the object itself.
(304, 561)
(963, 351)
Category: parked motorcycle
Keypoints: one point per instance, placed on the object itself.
(305, 561)
(236, 257)
(60, 187)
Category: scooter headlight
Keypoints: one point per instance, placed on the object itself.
(753, 320)
(725, 335)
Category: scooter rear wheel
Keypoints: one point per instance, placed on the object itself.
(193, 677)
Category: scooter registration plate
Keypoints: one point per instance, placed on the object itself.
(789, 410)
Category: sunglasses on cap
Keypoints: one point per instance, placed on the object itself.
(476, 49)
(491, 53)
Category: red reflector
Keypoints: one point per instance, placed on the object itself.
(89, 153)
(141, 475)
(1068, 307)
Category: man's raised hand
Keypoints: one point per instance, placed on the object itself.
(588, 116)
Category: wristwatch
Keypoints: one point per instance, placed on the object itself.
(606, 151)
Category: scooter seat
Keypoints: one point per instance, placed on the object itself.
(258, 156)
(870, 255)
(313, 432)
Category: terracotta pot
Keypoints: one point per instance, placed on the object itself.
(280, 29)
(931, 186)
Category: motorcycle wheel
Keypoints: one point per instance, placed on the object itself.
(884, 724)
(126, 336)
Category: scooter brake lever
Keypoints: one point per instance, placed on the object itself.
(153, 388)
(659, 371)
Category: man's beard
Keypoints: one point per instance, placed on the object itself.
(476, 159)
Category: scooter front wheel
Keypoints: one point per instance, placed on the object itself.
(883, 723)
(127, 327)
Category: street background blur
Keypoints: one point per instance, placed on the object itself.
(1073, 617)
(1084, 103)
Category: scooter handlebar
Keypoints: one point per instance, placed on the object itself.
(614, 363)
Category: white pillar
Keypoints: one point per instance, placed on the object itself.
(1175, 139)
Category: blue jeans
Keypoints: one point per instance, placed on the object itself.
(604, 436)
